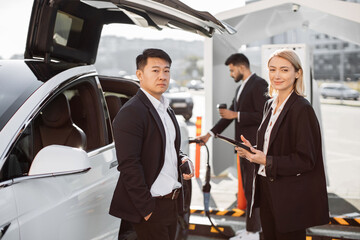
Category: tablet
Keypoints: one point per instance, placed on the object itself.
(233, 142)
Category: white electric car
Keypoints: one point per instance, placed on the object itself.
(57, 157)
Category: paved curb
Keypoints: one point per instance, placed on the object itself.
(344, 221)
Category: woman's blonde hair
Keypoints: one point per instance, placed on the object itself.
(294, 59)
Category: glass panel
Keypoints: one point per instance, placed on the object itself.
(67, 29)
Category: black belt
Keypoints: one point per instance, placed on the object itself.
(173, 195)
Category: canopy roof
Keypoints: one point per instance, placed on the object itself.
(263, 19)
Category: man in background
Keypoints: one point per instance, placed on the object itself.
(246, 110)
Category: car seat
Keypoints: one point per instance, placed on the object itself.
(57, 126)
(114, 104)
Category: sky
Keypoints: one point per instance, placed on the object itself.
(15, 15)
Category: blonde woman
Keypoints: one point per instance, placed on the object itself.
(289, 179)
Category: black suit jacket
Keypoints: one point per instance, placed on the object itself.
(139, 138)
(294, 166)
(250, 105)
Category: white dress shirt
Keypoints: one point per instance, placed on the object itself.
(167, 179)
(272, 121)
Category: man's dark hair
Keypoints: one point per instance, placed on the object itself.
(237, 59)
(141, 60)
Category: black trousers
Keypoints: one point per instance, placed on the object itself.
(267, 217)
(247, 170)
(162, 223)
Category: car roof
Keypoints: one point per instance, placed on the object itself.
(70, 30)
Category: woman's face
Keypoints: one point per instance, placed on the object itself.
(282, 75)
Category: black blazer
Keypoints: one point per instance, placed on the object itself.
(250, 105)
(294, 166)
(139, 138)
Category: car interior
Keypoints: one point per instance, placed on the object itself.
(75, 117)
(57, 127)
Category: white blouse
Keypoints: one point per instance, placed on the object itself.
(272, 121)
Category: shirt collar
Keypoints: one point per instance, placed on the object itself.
(245, 81)
(155, 102)
(248, 77)
(275, 102)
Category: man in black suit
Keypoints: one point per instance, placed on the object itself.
(246, 110)
(147, 141)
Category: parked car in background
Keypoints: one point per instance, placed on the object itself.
(195, 84)
(58, 167)
(180, 99)
(338, 90)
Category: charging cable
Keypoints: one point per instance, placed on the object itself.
(207, 187)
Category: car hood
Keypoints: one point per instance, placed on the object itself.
(70, 30)
(352, 91)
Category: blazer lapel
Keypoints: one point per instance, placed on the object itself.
(277, 125)
(263, 126)
(177, 129)
(236, 104)
(154, 113)
(247, 86)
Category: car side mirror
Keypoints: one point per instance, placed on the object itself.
(56, 159)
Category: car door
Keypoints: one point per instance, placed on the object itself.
(9, 226)
(70, 30)
(63, 205)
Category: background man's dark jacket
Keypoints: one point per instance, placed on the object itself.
(250, 105)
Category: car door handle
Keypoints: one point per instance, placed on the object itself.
(113, 164)
(3, 229)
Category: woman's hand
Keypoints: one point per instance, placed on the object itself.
(257, 156)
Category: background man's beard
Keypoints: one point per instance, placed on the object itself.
(238, 78)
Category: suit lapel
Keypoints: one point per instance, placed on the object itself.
(277, 125)
(236, 102)
(263, 126)
(177, 129)
(154, 113)
(247, 86)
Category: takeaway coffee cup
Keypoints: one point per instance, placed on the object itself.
(221, 106)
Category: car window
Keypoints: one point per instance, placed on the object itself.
(67, 30)
(16, 90)
(74, 117)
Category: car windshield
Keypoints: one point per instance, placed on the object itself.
(14, 92)
(344, 88)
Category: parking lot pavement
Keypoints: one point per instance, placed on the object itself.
(223, 192)
(354, 103)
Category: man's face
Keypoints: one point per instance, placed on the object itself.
(236, 72)
(155, 76)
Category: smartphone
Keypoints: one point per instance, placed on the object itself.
(186, 168)
(234, 142)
